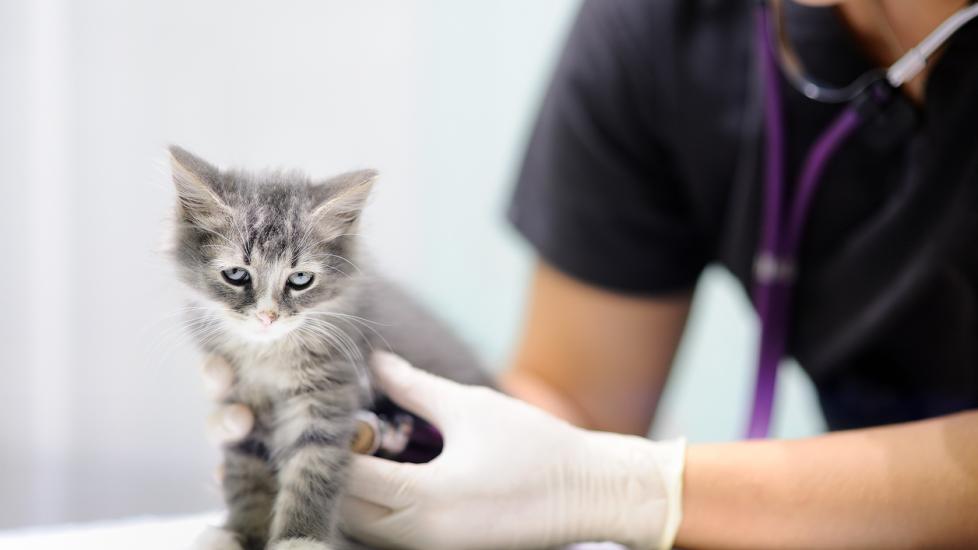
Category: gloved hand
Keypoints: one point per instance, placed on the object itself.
(510, 475)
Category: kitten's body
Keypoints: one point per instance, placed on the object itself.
(304, 381)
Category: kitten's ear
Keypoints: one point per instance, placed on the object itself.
(195, 181)
(341, 200)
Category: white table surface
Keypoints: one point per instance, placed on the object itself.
(139, 533)
(142, 533)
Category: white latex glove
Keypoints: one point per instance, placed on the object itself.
(510, 476)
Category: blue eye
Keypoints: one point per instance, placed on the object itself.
(236, 276)
(299, 280)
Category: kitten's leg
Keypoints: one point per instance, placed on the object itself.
(250, 486)
(312, 452)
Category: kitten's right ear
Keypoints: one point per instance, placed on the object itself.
(195, 181)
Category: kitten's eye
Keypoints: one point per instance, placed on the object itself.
(236, 276)
(299, 280)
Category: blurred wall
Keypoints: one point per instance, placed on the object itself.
(101, 411)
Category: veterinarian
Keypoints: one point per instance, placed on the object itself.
(765, 138)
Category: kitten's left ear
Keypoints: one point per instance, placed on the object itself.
(342, 199)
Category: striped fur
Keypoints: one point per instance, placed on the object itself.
(305, 375)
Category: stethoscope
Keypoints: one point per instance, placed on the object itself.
(775, 266)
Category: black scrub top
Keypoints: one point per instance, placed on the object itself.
(644, 167)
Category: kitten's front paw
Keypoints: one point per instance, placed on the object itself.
(214, 538)
(299, 544)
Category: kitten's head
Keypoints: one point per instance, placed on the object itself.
(264, 251)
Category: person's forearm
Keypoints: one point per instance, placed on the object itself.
(594, 357)
(903, 486)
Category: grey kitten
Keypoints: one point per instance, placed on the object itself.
(272, 262)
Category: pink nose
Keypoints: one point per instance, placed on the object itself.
(267, 317)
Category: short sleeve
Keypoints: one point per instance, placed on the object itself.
(596, 196)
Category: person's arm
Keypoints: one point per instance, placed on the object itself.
(911, 485)
(596, 358)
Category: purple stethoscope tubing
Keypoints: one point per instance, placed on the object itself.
(781, 230)
(775, 266)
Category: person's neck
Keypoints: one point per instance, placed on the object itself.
(888, 28)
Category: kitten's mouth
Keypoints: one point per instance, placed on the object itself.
(270, 331)
(252, 329)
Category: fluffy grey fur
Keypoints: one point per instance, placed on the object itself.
(305, 373)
